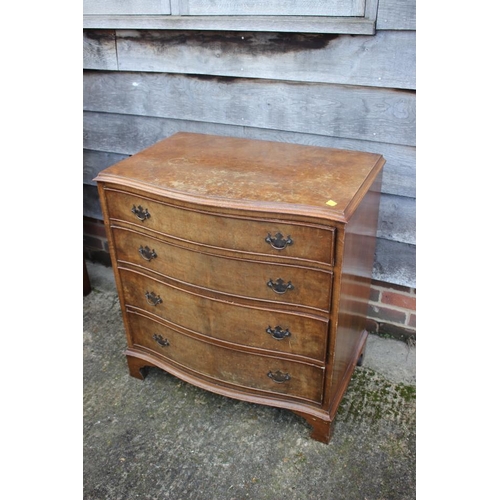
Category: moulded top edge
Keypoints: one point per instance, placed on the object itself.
(252, 175)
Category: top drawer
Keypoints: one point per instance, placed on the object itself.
(264, 237)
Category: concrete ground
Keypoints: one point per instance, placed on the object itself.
(163, 439)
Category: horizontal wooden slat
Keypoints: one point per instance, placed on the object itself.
(130, 134)
(99, 50)
(126, 7)
(296, 24)
(397, 219)
(379, 115)
(396, 15)
(91, 204)
(395, 263)
(386, 60)
(95, 161)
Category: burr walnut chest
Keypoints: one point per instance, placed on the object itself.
(244, 267)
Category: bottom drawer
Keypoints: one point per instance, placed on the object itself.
(248, 370)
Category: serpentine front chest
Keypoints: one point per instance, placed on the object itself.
(244, 267)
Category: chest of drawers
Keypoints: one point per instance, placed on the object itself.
(244, 267)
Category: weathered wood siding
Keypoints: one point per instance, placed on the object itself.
(344, 91)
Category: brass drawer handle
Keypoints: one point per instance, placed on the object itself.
(160, 340)
(146, 253)
(280, 286)
(279, 377)
(153, 299)
(141, 213)
(278, 242)
(277, 332)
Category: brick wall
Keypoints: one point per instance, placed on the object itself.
(392, 308)
(95, 243)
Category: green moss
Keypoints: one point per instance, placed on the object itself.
(372, 397)
(407, 392)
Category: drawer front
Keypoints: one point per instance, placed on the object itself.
(262, 237)
(264, 281)
(247, 370)
(270, 330)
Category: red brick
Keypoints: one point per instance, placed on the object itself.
(399, 300)
(94, 227)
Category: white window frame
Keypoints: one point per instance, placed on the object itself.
(176, 17)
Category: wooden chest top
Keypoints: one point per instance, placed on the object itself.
(248, 174)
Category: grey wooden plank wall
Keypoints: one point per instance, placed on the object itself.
(344, 91)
